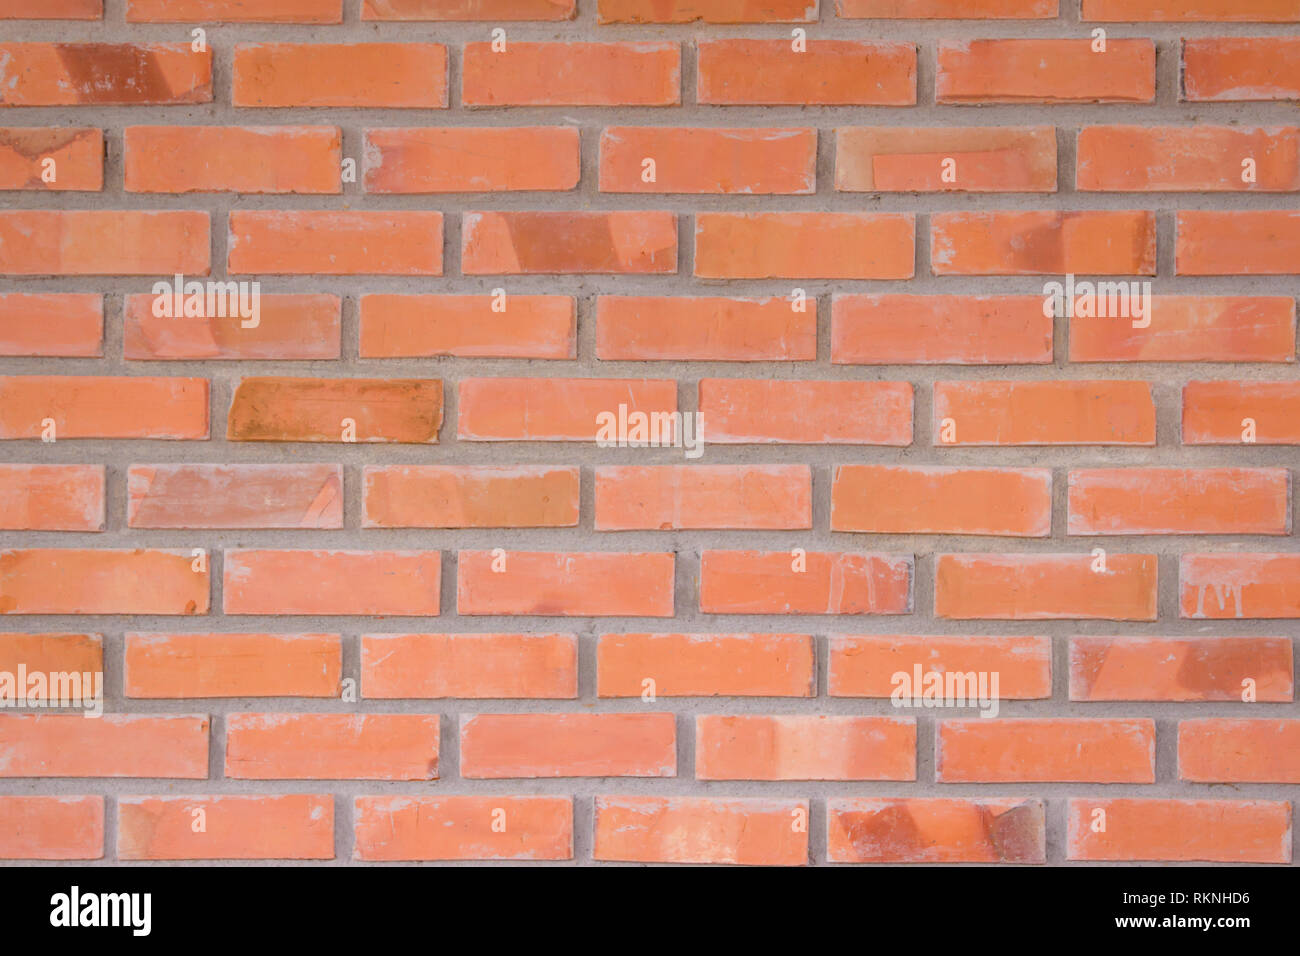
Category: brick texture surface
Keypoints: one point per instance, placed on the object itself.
(969, 327)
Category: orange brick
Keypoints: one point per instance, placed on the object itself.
(469, 326)
(1188, 159)
(53, 10)
(235, 827)
(927, 830)
(560, 243)
(1028, 751)
(708, 11)
(945, 159)
(939, 330)
(1180, 501)
(804, 245)
(1127, 11)
(675, 497)
(1264, 242)
(468, 9)
(1230, 413)
(329, 242)
(319, 410)
(1060, 412)
(234, 11)
(1184, 328)
(54, 325)
(459, 159)
(706, 665)
(332, 746)
(1216, 750)
(771, 411)
(113, 745)
(357, 75)
(286, 327)
(565, 409)
(235, 496)
(1043, 242)
(749, 832)
(1045, 587)
(469, 496)
(51, 828)
(55, 654)
(770, 582)
(565, 584)
(73, 581)
(866, 665)
(567, 745)
(36, 242)
(51, 159)
(464, 828)
(1239, 585)
(174, 666)
(108, 407)
(805, 747)
(577, 74)
(52, 497)
(469, 666)
(705, 329)
(1218, 831)
(253, 159)
(1180, 668)
(332, 582)
(695, 160)
(104, 74)
(1235, 69)
(1045, 71)
(887, 499)
(826, 73)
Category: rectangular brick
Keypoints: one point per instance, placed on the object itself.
(331, 242)
(1053, 750)
(656, 159)
(1043, 242)
(52, 498)
(86, 581)
(268, 328)
(1127, 11)
(1216, 750)
(946, 9)
(869, 665)
(53, 10)
(51, 828)
(468, 9)
(565, 409)
(647, 73)
(342, 410)
(464, 828)
(799, 582)
(1179, 501)
(886, 499)
(750, 72)
(804, 747)
(677, 497)
(332, 746)
(1238, 243)
(945, 159)
(930, 830)
(939, 330)
(706, 665)
(426, 159)
(356, 75)
(706, 11)
(564, 243)
(1188, 159)
(113, 745)
(74, 406)
(468, 326)
(705, 329)
(1185, 328)
(218, 159)
(469, 666)
(1059, 412)
(1179, 831)
(1241, 69)
(1231, 413)
(235, 496)
(1238, 669)
(397, 583)
(1045, 71)
(746, 831)
(51, 159)
(105, 74)
(177, 666)
(1239, 586)
(1046, 587)
(76, 660)
(49, 242)
(565, 584)
(52, 325)
(234, 827)
(777, 411)
(469, 496)
(234, 11)
(567, 745)
(804, 245)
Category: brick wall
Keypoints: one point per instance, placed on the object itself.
(364, 577)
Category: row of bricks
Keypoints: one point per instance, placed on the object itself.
(893, 329)
(297, 746)
(646, 829)
(760, 245)
(733, 72)
(651, 159)
(986, 586)
(627, 411)
(650, 11)
(880, 499)
(507, 666)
